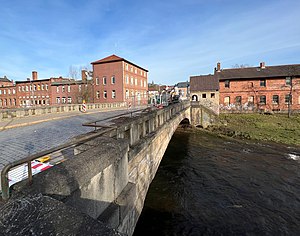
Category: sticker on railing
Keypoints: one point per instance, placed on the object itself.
(21, 172)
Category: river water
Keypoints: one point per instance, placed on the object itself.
(207, 185)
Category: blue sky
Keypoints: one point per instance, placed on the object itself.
(172, 39)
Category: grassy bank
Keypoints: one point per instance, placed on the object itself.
(276, 128)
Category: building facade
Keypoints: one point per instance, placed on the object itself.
(261, 88)
(116, 79)
(204, 89)
(264, 88)
(113, 79)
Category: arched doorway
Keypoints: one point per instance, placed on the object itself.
(195, 98)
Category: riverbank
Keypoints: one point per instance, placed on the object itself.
(275, 128)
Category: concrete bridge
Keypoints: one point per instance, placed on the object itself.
(102, 188)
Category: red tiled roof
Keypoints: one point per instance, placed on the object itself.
(111, 58)
(114, 58)
(204, 83)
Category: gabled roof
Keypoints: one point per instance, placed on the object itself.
(114, 58)
(204, 83)
(258, 72)
(5, 79)
(182, 85)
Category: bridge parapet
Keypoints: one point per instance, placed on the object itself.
(110, 173)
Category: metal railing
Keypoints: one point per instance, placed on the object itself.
(71, 144)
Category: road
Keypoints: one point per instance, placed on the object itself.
(23, 141)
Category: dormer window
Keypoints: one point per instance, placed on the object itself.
(227, 83)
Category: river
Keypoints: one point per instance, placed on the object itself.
(208, 185)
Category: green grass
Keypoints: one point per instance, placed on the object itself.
(277, 128)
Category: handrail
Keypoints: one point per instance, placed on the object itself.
(8, 167)
(90, 136)
(5, 170)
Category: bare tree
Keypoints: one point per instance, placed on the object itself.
(291, 72)
(240, 66)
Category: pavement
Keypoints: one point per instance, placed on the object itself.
(22, 137)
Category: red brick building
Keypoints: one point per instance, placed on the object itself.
(113, 79)
(65, 90)
(33, 91)
(7, 93)
(119, 80)
(267, 88)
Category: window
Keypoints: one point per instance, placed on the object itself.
(113, 94)
(126, 66)
(57, 89)
(58, 100)
(251, 99)
(113, 80)
(0, 92)
(250, 84)
(69, 100)
(238, 100)
(38, 87)
(131, 80)
(212, 95)
(105, 94)
(262, 99)
(4, 91)
(227, 100)
(288, 81)
(288, 98)
(275, 99)
(26, 88)
(63, 89)
(104, 80)
(64, 100)
(97, 81)
(127, 94)
(227, 83)
(203, 95)
(69, 88)
(79, 88)
(42, 86)
(135, 81)
(262, 83)
(126, 79)
(46, 86)
(97, 94)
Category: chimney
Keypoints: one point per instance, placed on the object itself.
(84, 76)
(218, 68)
(34, 75)
(262, 65)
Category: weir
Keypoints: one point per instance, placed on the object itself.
(101, 190)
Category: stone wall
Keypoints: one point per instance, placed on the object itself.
(36, 111)
(202, 116)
